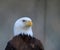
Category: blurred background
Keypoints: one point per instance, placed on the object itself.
(44, 13)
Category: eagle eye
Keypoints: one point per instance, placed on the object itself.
(23, 20)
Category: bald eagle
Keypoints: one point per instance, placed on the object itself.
(23, 37)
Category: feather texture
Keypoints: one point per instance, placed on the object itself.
(24, 42)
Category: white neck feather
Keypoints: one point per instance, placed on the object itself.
(18, 31)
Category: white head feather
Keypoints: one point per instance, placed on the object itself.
(23, 25)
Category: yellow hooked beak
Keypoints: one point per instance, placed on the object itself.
(29, 23)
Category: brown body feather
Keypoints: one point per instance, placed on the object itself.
(24, 42)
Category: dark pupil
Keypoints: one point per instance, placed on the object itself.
(23, 20)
